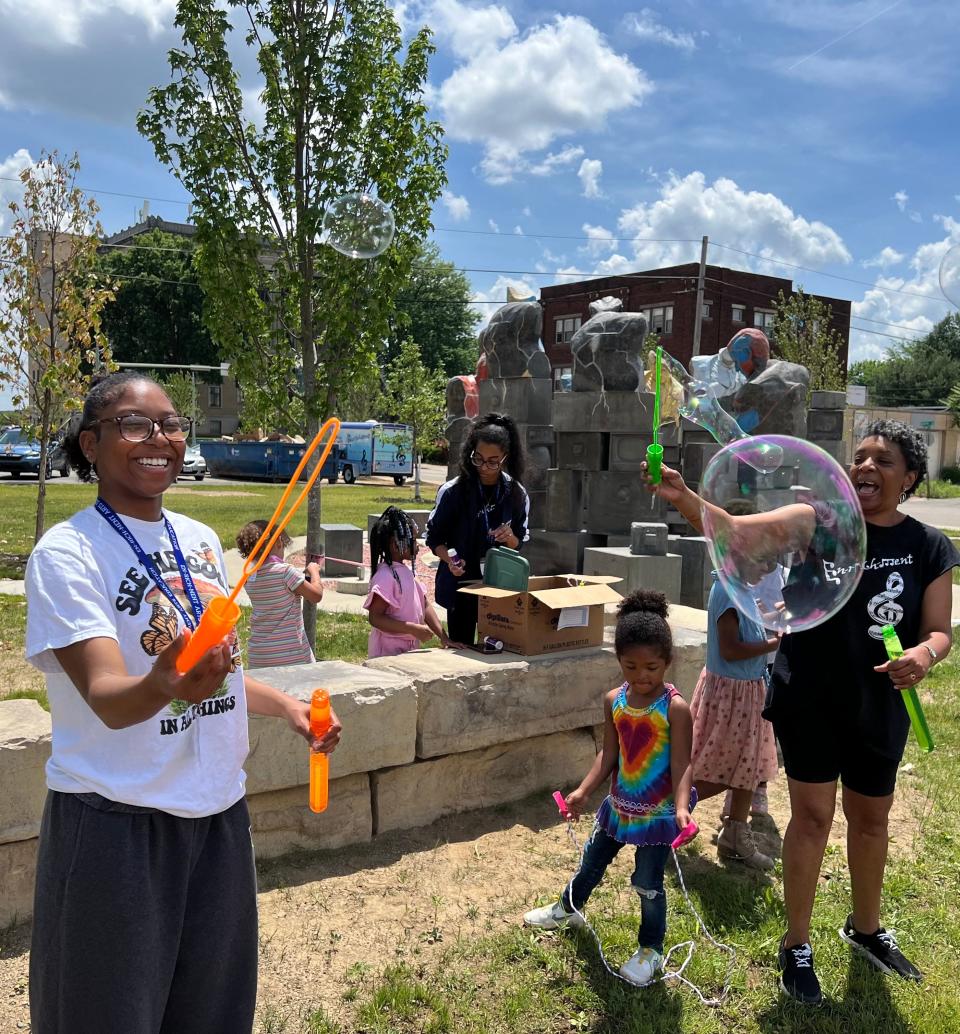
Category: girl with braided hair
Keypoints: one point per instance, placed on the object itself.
(485, 505)
(399, 611)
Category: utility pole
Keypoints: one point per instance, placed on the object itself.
(698, 321)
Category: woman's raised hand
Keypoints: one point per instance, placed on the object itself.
(671, 486)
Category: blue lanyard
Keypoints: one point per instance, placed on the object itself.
(108, 513)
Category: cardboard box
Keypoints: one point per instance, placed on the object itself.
(557, 612)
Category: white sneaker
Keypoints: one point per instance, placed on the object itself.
(552, 917)
(642, 967)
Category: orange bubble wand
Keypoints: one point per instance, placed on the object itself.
(320, 722)
(221, 614)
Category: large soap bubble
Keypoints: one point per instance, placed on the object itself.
(788, 544)
(950, 275)
(359, 226)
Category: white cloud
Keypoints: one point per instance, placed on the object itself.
(458, 207)
(591, 169)
(10, 169)
(493, 226)
(757, 222)
(599, 240)
(885, 258)
(646, 27)
(58, 23)
(916, 307)
(526, 211)
(518, 230)
(501, 165)
(497, 293)
(468, 30)
(902, 199)
(559, 79)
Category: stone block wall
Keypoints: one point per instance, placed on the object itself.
(425, 734)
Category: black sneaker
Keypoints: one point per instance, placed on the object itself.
(797, 978)
(881, 949)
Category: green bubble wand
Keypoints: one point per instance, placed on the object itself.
(655, 449)
(910, 699)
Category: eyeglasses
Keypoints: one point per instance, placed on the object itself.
(479, 461)
(137, 428)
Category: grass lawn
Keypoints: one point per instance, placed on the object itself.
(225, 508)
(519, 981)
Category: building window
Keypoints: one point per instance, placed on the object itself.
(660, 319)
(706, 310)
(566, 326)
(215, 428)
(739, 314)
(216, 395)
(764, 319)
(562, 378)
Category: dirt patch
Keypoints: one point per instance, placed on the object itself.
(332, 921)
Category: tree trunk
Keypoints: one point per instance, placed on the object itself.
(42, 470)
(417, 498)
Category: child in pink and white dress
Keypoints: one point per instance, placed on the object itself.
(399, 611)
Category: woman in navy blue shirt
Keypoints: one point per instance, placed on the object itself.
(485, 505)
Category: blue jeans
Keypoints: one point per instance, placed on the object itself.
(647, 881)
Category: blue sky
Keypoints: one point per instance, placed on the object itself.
(821, 134)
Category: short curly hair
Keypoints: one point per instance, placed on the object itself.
(909, 441)
(250, 534)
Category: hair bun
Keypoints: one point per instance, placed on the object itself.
(644, 600)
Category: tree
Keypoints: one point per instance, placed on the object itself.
(416, 396)
(339, 111)
(181, 389)
(433, 309)
(51, 301)
(803, 334)
(923, 372)
(157, 313)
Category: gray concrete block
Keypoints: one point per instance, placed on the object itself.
(538, 509)
(614, 500)
(828, 400)
(564, 501)
(638, 572)
(539, 434)
(825, 424)
(582, 450)
(18, 877)
(623, 411)
(558, 552)
(616, 541)
(420, 516)
(378, 710)
(628, 451)
(529, 400)
(838, 450)
(25, 730)
(344, 541)
(647, 538)
(696, 577)
(696, 456)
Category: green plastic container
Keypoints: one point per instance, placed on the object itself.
(506, 569)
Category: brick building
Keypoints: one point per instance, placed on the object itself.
(732, 299)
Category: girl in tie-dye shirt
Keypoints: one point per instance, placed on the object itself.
(646, 755)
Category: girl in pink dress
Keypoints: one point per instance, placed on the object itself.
(399, 611)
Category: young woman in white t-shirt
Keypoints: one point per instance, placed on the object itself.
(145, 911)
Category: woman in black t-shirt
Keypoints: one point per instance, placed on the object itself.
(485, 505)
(831, 701)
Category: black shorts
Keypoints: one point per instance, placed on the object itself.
(813, 752)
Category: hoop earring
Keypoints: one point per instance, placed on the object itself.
(903, 497)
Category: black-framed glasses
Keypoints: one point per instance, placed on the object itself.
(479, 461)
(134, 427)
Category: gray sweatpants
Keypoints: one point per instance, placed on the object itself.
(144, 923)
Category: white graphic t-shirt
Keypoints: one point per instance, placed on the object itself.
(84, 581)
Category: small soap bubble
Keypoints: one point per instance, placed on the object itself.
(359, 226)
(950, 275)
(788, 567)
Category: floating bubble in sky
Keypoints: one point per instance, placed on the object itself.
(950, 275)
(788, 544)
(359, 226)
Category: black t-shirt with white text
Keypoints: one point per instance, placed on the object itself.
(827, 671)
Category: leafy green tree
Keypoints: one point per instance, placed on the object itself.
(433, 309)
(341, 109)
(803, 334)
(416, 395)
(181, 389)
(157, 313)
(917, 373)
(51, 301)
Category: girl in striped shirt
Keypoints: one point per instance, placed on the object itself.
(277, 635)
(646, 755)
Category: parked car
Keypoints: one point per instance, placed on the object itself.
(194, 465)
(20, 454)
